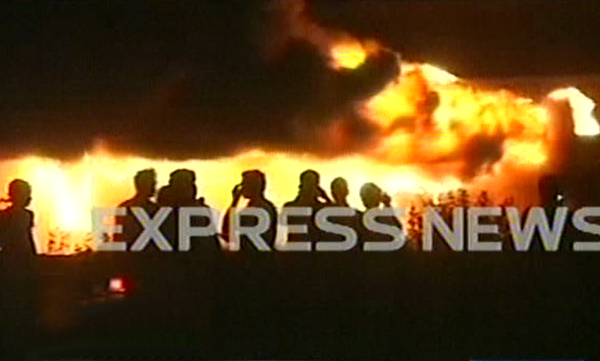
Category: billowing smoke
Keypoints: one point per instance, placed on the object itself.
(264, 85)
(203, 89)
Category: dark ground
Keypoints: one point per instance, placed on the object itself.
(407, 305)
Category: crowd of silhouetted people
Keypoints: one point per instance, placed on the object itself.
(16, 221)
(181, 191)
(19, 275)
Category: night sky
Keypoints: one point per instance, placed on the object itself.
(199, 79)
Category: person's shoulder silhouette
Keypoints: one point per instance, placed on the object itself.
(163, 197)
(310, 193)
(145, 188)
(340, 192)
(252, 188)
(374, 197)
(312, 196)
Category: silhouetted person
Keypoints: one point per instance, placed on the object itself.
(340, 273)
(17, 223)
(145, 188)
(379, 268)
(311, 195)
(180, 192)
(163, 198)
(192, 269)
(310, 192)
(19, 273)
(339, 193)
(373, 197)
(253, 189)
(183, 188)
(247, 282)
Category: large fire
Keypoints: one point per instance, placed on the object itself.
(433, 123)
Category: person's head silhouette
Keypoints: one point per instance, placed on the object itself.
(309, 183)
(339, 190)
(182, 184)
(145, 183)
(253, 184)
(182, 177)
(19, 193)
(371, 195)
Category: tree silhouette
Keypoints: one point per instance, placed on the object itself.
(483, 200)
(504, 225)
(463, 198)
(415, 223)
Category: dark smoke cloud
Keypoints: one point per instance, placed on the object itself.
(480, 152)
(186, 80)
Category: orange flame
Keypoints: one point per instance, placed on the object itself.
(428, 119)
(350, 53)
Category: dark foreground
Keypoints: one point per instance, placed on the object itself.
(409, 305)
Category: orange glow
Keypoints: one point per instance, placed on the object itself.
(431, 110)
(64, 193)
(525, 153)
(432, 125)
(348, 55)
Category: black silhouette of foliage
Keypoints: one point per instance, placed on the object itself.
(415, 223)
(445, 203)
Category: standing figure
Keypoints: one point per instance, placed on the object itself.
(340, 192)
(373, 197)
(310, 195)
(145, 188)
(18, 274)
(16, 224)
(253, 189)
